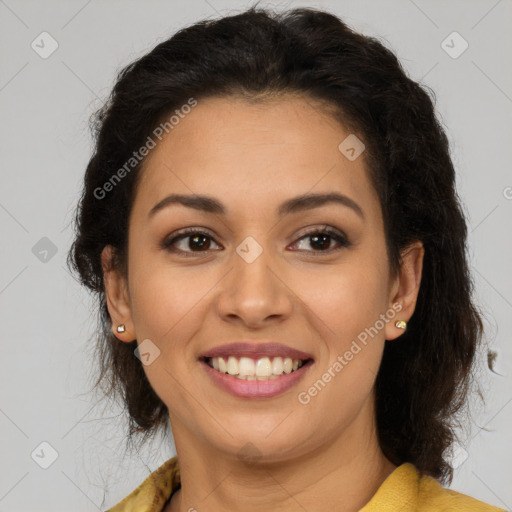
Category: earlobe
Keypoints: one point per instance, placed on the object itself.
(406, 288)
(117, 298)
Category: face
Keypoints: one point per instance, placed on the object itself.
(315, 279)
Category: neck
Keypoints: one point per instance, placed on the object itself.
(345, 470)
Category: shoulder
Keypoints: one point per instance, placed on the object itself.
(405, 489)
(433, 497)
(152, 494)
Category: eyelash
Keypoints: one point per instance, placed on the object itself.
(186, 233)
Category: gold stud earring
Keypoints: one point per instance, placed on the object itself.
(121, 328)
(401, 324)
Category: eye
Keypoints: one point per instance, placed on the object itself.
(321, 239)
(198, 241)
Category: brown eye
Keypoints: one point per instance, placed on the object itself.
(198, 241)
(194, 241)
(320, 240)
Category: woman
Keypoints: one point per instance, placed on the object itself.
(271, 224)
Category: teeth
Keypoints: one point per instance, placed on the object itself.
(277, 366)
(263, 367)
(232, 366)
(247, 368)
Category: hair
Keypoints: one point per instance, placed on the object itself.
(425, 374)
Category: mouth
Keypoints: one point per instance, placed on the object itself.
(255, 378)
(252, 369)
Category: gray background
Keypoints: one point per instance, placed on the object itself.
(46, 318)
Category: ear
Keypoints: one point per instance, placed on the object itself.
(405, 287)
(118, 297)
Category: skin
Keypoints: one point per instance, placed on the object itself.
(320, 456)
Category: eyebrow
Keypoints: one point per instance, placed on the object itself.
(295, 204)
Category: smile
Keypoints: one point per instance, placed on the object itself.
(246, 368)
(261, 378)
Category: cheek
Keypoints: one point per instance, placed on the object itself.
(167, 308)
(347, 303)
(347, 298)
(347, 306)
(165, 299)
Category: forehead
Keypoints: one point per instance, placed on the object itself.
(253, 153)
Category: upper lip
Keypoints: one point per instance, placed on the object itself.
(255, 351)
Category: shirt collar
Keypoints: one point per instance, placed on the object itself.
(400, 489)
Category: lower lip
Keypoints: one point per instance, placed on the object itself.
(256, 388)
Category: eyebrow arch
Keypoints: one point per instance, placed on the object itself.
(295, 204)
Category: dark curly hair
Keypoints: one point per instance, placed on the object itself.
(425, 374)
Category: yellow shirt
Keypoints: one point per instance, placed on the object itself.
(404, 490)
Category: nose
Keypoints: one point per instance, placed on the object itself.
(255, 292)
